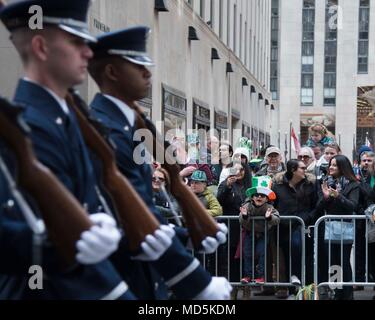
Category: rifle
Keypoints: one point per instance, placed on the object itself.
(64, 218)
(198, 221)
(133, 214)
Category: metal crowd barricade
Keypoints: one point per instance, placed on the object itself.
(220, 263)
(335, 284)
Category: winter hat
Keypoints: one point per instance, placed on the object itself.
(261, 185)
(242, 151)
(271, 150)
(363, 149)
(199, 175)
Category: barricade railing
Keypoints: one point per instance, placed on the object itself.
(223, 262)
(335, 272)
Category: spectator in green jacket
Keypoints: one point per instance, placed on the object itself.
(198, 184)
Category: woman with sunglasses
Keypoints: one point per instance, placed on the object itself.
(160, 187)
(307, 155)
(340, 196)
(296, 195)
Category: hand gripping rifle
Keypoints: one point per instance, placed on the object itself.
(133, 214)
(64, 218)
(197, 219)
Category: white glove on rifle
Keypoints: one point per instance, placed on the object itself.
(155, 245)
(210, 244)
(100, 241)
(218, 289)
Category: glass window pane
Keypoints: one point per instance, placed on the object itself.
(307, 48)
(330, 48)
(307, 81)
(173, 124)
(274, 38)
(330, 80)
(274, 84)
(307, 68)
(309, 3)
(274, 54)
(363, 35)
(274, 69)
(275, 23)
(329, 101)
(307, 60)
(306, 100)
(363, 68)
(329, 93)
(363, 48)
(308, 35)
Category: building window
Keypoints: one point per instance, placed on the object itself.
(330, 54)
(274, 49)
(250, 51)
(246, 40)
(212, 14)
(174, 112)
(228, 23)
(307, 68)
(235, 29)
(240, 38)
(146, 103)
(190, 2)
(201, 8)
(201, 118)
(363, 37)
(221, 19)
(221, 124)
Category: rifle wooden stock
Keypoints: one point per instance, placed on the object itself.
(64, 217)
(197, 219)
(133, 214)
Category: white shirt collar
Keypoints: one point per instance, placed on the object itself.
(62, 103)
(125, 109)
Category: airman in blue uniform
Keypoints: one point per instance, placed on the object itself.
(55, 58)
(119, 68)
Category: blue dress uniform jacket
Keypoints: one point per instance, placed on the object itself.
(182, 272)
(58, 144)
(15, 236)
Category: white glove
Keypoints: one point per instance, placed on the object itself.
(210, 244)
(100, 241)
(155, 245)
(218, 289)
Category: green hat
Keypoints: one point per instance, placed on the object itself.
(199, 176)
(245, 142)
(261, 185)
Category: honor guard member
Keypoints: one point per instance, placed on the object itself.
(15, 237)
(54, 59)
(119, 69)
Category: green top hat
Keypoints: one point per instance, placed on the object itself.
(245, 142)
(199, 176)
(261, 185)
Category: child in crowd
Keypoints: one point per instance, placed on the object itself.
(319, 135)
(257, 205)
